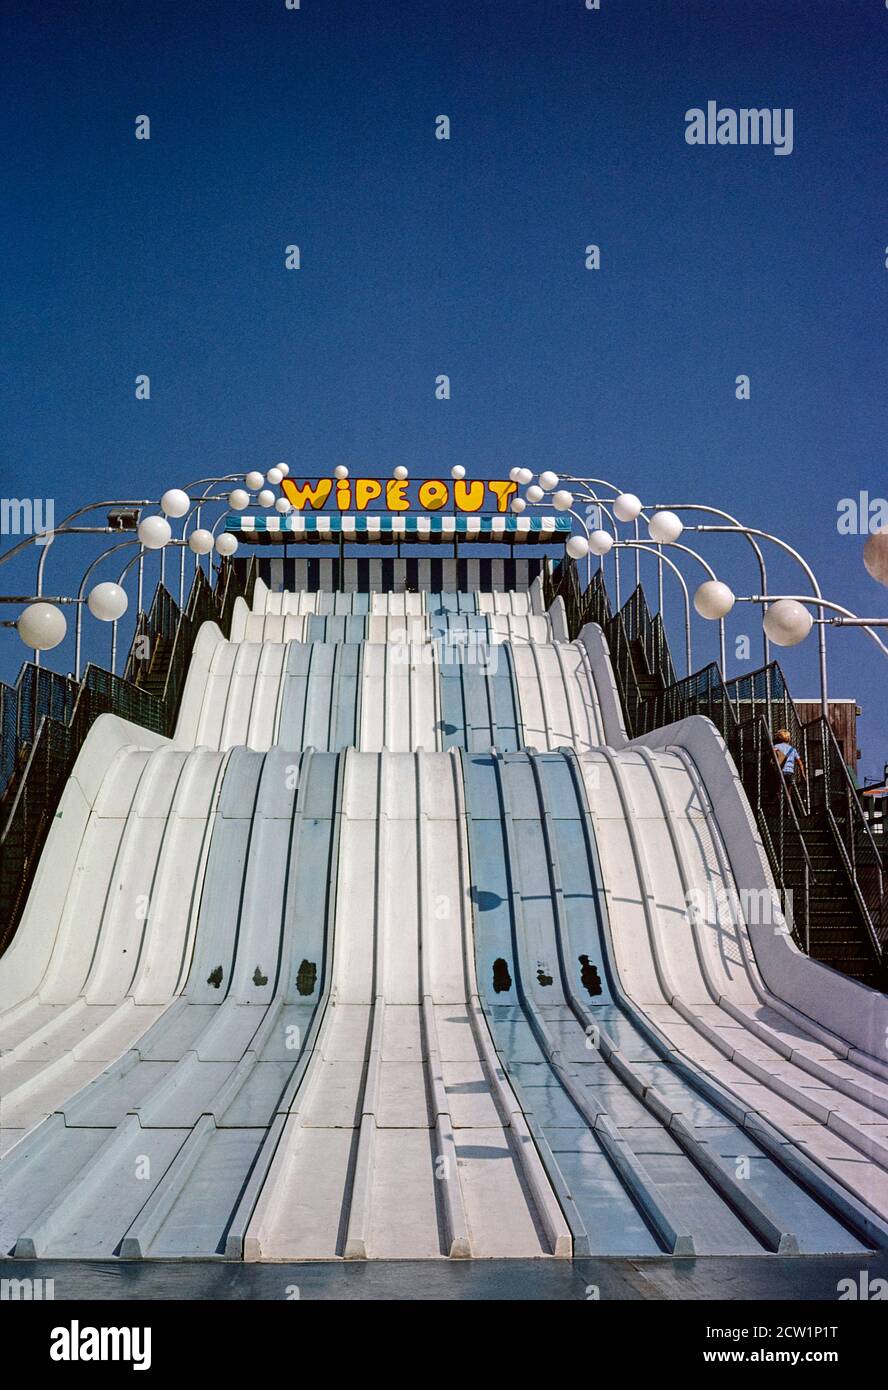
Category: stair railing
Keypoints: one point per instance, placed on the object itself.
(47, 717)
(850, 829)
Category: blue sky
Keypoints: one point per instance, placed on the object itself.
(466, 257)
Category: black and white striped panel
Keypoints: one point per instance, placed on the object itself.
(390, 575)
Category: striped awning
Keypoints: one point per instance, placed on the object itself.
(382, 527)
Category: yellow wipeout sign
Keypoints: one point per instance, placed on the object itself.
(417, 494)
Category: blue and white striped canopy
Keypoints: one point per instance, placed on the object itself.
(407, 527)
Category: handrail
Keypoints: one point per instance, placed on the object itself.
(857, 847)
(61, 714)
(746, 710)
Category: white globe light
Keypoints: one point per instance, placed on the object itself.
(274, 476)
(107, 601)
(535, 493)
(400, 473)
(266, 497)
(577, 547)
(562, 500)
(713, 599)
(254, 480)
(283, 468)
(238, 499)
(524, 476)
(548, 481)
(787, 623)
(200, 541)
(226, 544)
(175, 502)
(340, 472)
(154, 532)
(665, 527)
(283, 506)
(42, 626)
(627, 506)
(514, 475)
(600, 542)
(518, 504)
(457, 472)
(875, 556)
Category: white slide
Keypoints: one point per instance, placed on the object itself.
(404, 1140)
(105, 941)
(398, 694)
(147, 999)
(684, 952)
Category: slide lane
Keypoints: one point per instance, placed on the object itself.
(644, 1158)
(404, 1139)
(821, 1053)
(154, 1156)
(289, 627)
(557, 697)
(322, 603)
(272, 627)
(518, 602)
(693, 975)
(123, 943)
(461, 690)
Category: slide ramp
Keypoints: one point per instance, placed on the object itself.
(404, 1140)
(105, 943)
(648, 1157)
(454, 690)
(288, 988)
(170, 1133)
(684, 954)
(106, 939)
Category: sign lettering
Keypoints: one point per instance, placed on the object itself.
(417, 494)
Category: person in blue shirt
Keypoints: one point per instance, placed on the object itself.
(789, 758)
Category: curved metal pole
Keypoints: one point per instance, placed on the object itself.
(687, 550)
(72, 516)
(863, 623)
(595, 482)
(41, 563)
(605, 482)
(63, 530)
(210, 482)
(813, 581)
(605, 511)
(664, 559)
(660, 556)
(585, 525)
(714, 511)
(220, 478)
(123, 573)
(718, 511)
(78, 622)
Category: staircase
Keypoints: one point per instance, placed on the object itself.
(648, 683)
(833, 930)
(153, 678)
(814, 853)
